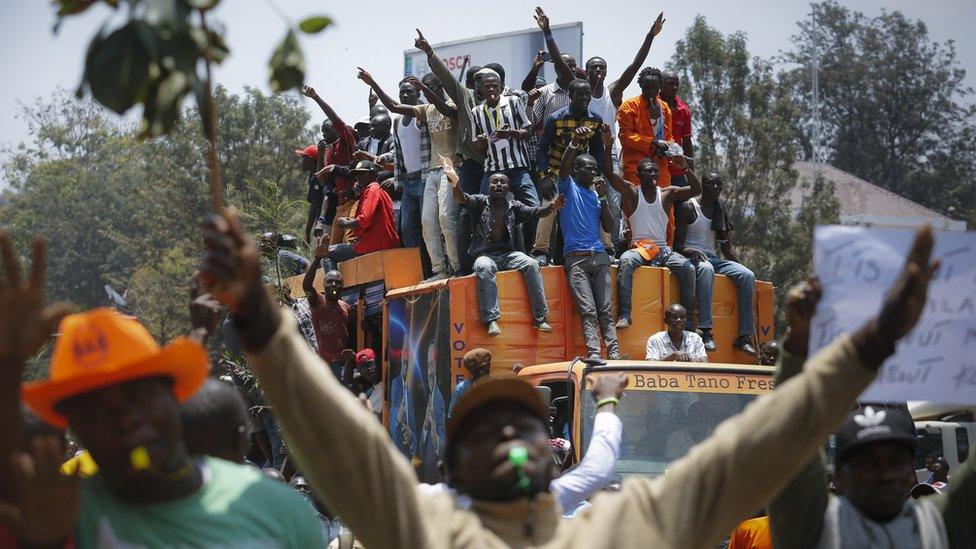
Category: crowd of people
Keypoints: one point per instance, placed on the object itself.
(483, 177)
(127, 443)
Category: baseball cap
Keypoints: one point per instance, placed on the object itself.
(928, 489)
(873, 423)
(364, 166)
(486, 391)
(311, 151)
(363, 121)
(364, 356)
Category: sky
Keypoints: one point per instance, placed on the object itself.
(375, 34)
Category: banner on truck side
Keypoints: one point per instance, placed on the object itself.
(936, 361)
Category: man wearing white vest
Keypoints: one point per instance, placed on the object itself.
(699, 226)
(647, 207)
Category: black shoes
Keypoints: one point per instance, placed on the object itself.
(744, 344)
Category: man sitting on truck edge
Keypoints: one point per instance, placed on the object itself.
(495, 219)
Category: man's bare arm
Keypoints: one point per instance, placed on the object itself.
(563, 73)
(309, 91)
(388, 102)
(617, 87)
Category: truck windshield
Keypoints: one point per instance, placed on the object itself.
(660, 426)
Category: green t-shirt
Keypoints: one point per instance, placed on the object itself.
(236, 507)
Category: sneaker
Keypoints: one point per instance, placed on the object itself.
(543, 259)
(542, 326)
(623, 322)
(436, 277)
(744, 344)
(494, 329)
(615, 356)
(708, 340)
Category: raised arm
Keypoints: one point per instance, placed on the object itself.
(628, 192)
(595, 470)
(344, 456)
(617, 87)
(528, 83)
(452, 177)
(387, 101)
(454, 89)
(671, 194)
(309, 92)
(569, 155)
(719, 474)
(25, 324)
(564, 75)
(321, 252)
(796, 515)
(434, 99)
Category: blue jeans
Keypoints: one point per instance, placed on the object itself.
(679, 265)
(470, 173)
(521, 185)
(485, 268)
(745, 283)
(411, 208)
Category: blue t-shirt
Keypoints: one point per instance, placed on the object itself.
(580, 217)
(461, 388)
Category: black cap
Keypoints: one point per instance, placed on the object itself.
(875, 423)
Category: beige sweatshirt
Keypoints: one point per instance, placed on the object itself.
(356, 470)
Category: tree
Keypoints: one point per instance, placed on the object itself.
(893, 105)
(120, 210)
(745, 122)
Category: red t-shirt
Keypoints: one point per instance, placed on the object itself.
(340, 153)
(331, 322)
(377, 228)
(680, 127)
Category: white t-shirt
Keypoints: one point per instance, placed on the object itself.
(604, 107)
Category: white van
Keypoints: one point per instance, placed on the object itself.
(946, 431)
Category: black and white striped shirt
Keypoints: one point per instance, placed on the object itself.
(503, 154)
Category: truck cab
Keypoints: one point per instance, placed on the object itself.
(945, 431)
(668, 407)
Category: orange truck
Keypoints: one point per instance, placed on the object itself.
(667, 408)
(428, 327)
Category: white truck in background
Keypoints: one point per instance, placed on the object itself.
(943, 430)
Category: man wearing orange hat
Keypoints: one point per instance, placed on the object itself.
(121, 393)
(498, 440)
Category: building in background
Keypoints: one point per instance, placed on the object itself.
(864, 203)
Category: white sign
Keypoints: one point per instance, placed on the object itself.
(512, 50)
(937, 360)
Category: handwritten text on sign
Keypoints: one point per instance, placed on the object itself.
(937, 360)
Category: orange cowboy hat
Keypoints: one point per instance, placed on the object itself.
(101, 348)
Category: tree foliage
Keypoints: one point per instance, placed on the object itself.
(125, 211)
(894, 109)
(744, 122)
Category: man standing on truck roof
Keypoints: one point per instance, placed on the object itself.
(495, 219)
(874, 469)
(676, 343)
(498, 441)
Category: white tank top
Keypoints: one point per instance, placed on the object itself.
(409, 137)
(700, 235)
(649, 220)
(604, 107)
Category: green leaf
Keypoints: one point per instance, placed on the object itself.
(118, 68)
(202, 4)
(287, 64)
(162, 106)
(315, 24)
